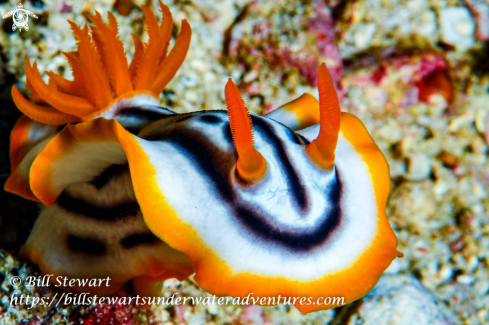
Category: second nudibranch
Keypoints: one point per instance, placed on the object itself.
(103, 85)
(96, 229)
(255, 206)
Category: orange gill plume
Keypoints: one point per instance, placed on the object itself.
(250, 165)
(322, 149)
(103, 81)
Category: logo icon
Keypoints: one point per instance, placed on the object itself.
(20, 17)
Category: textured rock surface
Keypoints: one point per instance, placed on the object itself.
(402, 300)
(457, 27)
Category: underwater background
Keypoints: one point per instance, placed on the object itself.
(416, 73)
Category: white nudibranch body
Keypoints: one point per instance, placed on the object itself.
(291, 204)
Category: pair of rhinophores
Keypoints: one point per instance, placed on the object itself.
(291, 204)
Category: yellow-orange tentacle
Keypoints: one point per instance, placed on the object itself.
(137, 60)
(99, 38)
(169, 67)
(112, 53)
(96, 81)
(43, 114)
(65, 103)
(121, 66)
(77, 72)
(152, 51)
(66, 86)
(165, 30)
(101, 71)
(34, 95)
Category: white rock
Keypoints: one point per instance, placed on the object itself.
(419, 167)
(480, 119)
(363, 34)
(457, 27)
(427, 23)
(395, 267)
(465, 279)
(446, 272)
(402, 300)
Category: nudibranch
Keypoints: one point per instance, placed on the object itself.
(103, 85)
(96, 228)
(286, 205)
(256, 206)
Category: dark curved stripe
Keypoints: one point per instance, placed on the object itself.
(133, 130)
(203, 117)
(87, 209)
(298, 190)
(144, 116)
(184, 117)
(139, 239)
(210, 119)
(216, 164)
(108, 174)
(145, 112)
(204, 154)
(304, 241)
(303, 139)
(86, 245)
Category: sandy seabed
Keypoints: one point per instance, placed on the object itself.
(419, 86)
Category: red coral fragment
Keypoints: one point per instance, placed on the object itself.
(252, 315)
(457, 245)
(432, 78)
(379, 74)
(180, 312)
(108, 315)
(437, 82)
(430, 62)
(63, 7)
(404, 80)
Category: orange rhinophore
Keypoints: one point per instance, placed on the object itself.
(323, 148)
(250, 165)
